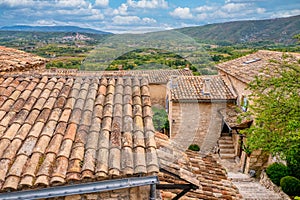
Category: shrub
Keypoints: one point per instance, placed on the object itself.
(290, 185)
(194, 147)
(276, 171)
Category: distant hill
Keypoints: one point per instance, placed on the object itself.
(52, 29)
(280, 30)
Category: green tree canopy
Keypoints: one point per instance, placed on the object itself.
(297, 37)
(276, 107)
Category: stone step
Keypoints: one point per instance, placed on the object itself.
(226, 138)
(225, 142)
(226, 146)
(255, 191)
(227, 150)
(226, 134)
(227, 155)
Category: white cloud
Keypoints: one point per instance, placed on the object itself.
(260, 10)
(202, 16)
(46, 4)
(125, 19)
(101, 3)
(46, 23)
(286, 13)
(16, 3)
(182, 13)
(234, 7)
(228, 11)
(121, 10)
(204, 8)
(73, 3)
(129, 20)
(148, 20)
(148, 4)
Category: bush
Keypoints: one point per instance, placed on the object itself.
(276, 171)
(290, 185)
(194, 147)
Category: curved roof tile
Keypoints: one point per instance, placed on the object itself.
(56, 130)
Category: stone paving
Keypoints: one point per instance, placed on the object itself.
(249, 188)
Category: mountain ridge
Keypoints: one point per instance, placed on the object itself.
(279, 30)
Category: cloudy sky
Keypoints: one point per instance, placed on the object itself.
(119, 16)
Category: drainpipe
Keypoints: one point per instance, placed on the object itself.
(152, 191)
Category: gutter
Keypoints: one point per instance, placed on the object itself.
(84, 188)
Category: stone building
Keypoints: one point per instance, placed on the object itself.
(12, 60)
(238, 74)
(193, 103)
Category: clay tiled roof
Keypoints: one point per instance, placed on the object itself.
(235, 117)
(190, 167)
(57, 130)
(246, 68)
(199, 88)
(154, 76)
(15, 60)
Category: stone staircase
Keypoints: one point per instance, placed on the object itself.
(226, 148)
(251, 189)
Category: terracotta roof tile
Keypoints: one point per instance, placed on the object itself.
(73, 128)
(199, 88)
(246, 68)
(11, 150)
(15, 60)
(151, 76)
(189, 167)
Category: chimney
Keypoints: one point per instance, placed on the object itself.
(206, 86)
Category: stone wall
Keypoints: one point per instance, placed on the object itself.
(257, 160)
(236, 86)
(236, 139)
(195, 123)
(158, 94)
(265, 181)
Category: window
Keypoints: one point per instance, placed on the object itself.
(244, 103)
(167, 104)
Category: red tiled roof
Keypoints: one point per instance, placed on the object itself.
(199, 88)
(15, 60)
(57, 130)
(205, 172)
(246, 68)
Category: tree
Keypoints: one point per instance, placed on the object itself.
(297, 37)
(276, 107)
(160, 119)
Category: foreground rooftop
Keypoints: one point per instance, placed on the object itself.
(59, 130)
